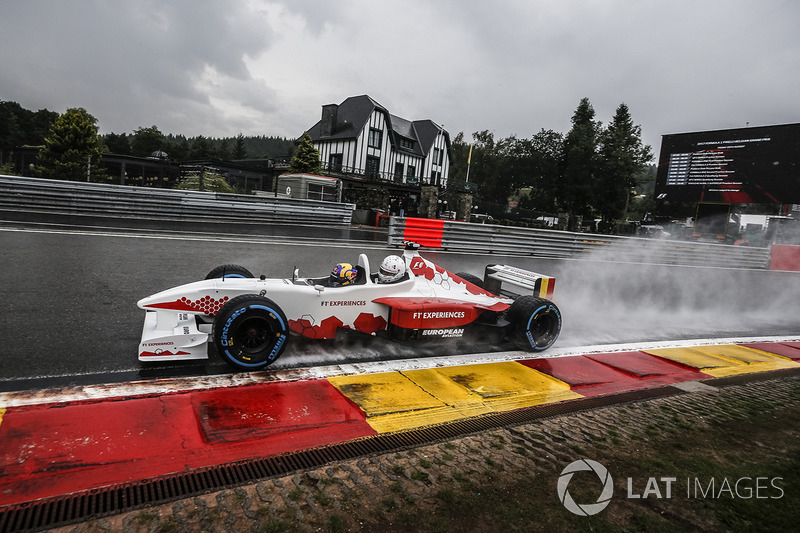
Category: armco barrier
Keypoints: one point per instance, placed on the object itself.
(451, 235)
(69, 197)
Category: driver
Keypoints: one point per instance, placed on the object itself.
(392, 269)
(341, 275)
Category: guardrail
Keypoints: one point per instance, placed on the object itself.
(452, 235)
(69, 197)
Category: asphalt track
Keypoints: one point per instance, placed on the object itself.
(70, 329)
(70, 315)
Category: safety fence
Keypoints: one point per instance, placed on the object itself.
(69, 197)
(453, 235)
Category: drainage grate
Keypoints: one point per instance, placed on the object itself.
(63, 510)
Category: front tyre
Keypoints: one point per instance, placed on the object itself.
(250, 332)
(535, 323)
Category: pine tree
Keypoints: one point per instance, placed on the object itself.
(579, 164)
(622, 157)
(306, 159)
(72, 149)
(239, 150)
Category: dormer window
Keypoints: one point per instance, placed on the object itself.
(408, 144)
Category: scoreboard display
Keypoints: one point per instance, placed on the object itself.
(737, 166)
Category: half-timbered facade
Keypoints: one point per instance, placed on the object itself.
(360, 136)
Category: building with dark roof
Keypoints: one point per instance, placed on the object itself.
(360, 136)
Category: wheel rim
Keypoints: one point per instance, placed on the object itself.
(255, 334)
(543, 329)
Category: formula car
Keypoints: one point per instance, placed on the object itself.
(249, 320)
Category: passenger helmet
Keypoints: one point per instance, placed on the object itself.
(343, 274)
(392, 269)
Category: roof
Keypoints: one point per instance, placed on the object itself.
(353, 115)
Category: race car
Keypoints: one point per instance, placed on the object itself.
(249, 320)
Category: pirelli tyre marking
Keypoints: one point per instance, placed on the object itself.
(536, 322)
(250, 331)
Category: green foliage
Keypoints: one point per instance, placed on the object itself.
(202, 149)
(239, 150)
(117, 144)
(587, 172)
(579, 164)
(22, 127)
(7, 169)
(205, 181)
(306, 157)
(72, 148)
(622, 157)
(148, 140)
(145, 141)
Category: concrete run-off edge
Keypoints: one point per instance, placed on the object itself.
(176, 385)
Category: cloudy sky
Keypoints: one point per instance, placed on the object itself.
(260, 67)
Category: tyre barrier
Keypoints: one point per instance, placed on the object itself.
(35, 195)
(453, 235)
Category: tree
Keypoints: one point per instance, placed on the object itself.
(239, 150)
(202, 149)
(622, 157)
(147, 140)
(72, 148)
(547, 151)
(306, 158)
(21, 127)
(118, 143)
(224, 150)
(579, 165)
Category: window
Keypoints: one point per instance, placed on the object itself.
(411, 175)
(375, 138)
(373, 164)
(408, 144)
(321, 192)
(437, 156)
(335, 162)
(398, 172)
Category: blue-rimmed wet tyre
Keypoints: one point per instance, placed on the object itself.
(536, 323)
(250, 332)
(229, 271)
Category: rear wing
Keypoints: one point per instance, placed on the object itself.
(496, 276)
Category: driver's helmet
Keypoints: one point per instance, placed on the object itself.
(342, 274)
(392, 269)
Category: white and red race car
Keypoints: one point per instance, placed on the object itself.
(249, 319)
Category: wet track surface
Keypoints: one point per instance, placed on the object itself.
(69, 297)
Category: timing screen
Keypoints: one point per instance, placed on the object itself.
(745, 165)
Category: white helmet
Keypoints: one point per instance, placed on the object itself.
(392, 269)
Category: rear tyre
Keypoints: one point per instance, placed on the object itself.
(535, 323)
(250, 332)
(229, 271)
(472, 278)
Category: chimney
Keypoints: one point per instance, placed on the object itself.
(328, 123)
